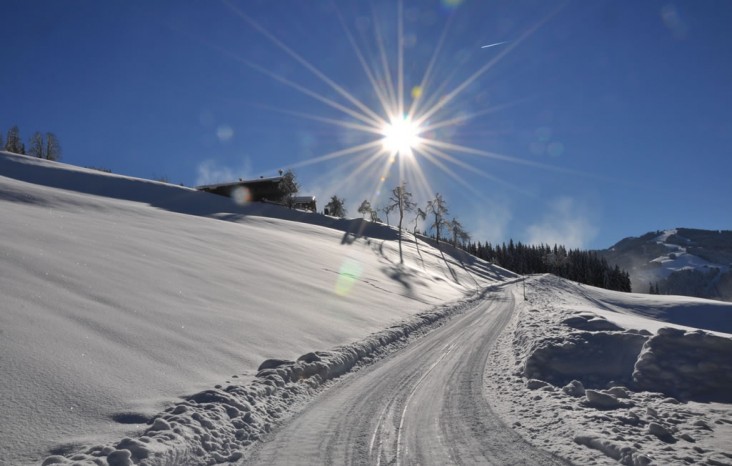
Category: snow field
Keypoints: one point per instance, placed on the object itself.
(564, 377)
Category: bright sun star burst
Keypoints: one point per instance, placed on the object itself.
(401, 135)
(403, 121)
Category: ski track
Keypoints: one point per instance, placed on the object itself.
(423, 405)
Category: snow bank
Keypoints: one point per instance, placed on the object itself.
(688, 365)
(561, 386)
(593, 358)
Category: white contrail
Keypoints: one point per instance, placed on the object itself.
(493, 45)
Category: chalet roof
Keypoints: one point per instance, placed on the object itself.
(273, 179)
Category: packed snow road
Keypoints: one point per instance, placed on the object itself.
(422, 405)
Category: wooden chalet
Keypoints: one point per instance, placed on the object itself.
(259, 190)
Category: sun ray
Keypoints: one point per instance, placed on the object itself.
(428, 72)
(378, 89)
(363, 166)
(497, 156)
(375, 123)
(476, 193)
(483, 69)
(477, 171)
(366, 169)
(400, 56)
(421, 182)
(309, 66)
(469, 116)
(340, 153)
(332, 121)
(384, 59)
(447, 170)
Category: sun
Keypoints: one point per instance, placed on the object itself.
(401, 135)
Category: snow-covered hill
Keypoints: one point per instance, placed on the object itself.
(146, 323)
(680, 261)
(120, 295)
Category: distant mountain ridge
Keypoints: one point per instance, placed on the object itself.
(680, 261)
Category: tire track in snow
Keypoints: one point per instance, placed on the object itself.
(422, 405)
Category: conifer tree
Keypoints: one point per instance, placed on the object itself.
(336, 206)
(288, 187)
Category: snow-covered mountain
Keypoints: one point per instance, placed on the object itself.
(143, 323)
(680, 261)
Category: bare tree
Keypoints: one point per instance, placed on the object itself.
(386, 209)
(421, 215)
(365, 208)
(375, 216)
(53, 147)
(13, 143)
(459, 235)
(401, 201)
(37, 146)
(437, 207)
(336, 206)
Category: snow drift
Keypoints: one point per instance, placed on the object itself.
(581, 366)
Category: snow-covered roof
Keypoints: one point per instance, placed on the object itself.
(273, 179)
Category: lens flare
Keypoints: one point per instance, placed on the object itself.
(241, 195)
(348, 275)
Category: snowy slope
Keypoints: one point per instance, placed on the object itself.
(121, 295)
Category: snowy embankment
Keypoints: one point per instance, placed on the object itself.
(583, 373)
(121, 297)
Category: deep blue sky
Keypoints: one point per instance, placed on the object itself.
(625, 106)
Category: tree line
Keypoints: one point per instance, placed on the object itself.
(44, 146)
(573, 264)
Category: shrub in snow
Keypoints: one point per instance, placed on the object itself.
(687, 365)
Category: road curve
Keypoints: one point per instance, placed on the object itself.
(422, 405)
